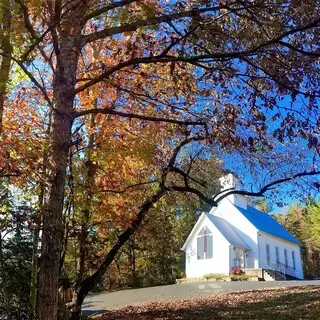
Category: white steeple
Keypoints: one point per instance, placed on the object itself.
(228, 182)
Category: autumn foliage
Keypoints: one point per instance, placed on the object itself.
(110, 108)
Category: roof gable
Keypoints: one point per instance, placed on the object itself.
(194, 229)
(265, 223)
(223, 226)
(228, 231)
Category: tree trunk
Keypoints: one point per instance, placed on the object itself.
(34, 275)
(89, 180)
(132, 262)
(53, 228)
(6, 48)
(36, 233)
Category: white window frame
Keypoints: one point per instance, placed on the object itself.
(268, 256)
(208, 234)
(285, 252)
(293, 259)
(277, 254)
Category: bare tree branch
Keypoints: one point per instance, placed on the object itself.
(267, 187)
(294, 48)
(186, 176)
(194, 191)
(137, 116)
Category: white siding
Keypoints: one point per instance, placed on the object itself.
(245, 229)
(218, 264)
(281, 244)
(224, 254)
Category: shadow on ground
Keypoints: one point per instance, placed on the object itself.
(273, 304)
(93, 312)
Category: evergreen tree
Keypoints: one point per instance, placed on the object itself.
(15, 273)
(304, 223)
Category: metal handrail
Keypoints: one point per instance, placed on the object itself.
(288, 269)
(273, 265)
(277, 267)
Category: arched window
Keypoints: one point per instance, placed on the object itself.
(204, 244)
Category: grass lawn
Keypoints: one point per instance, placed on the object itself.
(278, 304)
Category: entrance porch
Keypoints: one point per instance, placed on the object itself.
(238, 257)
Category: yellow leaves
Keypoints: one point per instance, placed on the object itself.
(139, 10)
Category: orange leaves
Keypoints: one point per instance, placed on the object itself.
(23, 138)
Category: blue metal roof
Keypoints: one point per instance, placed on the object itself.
(265, 223)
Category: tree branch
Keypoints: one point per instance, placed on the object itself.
(33, 33)
(266, 188)
(137, 116)
(306, 53)
(180, 146)
(126, 27)
(182, 37)
(194, 191)
(160, 59)
(205, 57)
(35, 82)
(106, 8)
(89, 282)
(127, 188)
(186, 176)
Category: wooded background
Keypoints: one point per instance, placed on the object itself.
(117, 118)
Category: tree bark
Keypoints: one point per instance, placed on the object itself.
(34, 275)
(6, 51)
(86, 209)
(53, 228)
(36, 232)
(132, 261)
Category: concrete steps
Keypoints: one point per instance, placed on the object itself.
(275, 275)
(268, 276)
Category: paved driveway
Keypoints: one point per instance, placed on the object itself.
(102, 302)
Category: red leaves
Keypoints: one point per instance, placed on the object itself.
(313, 141)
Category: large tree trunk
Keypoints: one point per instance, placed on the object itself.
(53, 229)
(6, 50)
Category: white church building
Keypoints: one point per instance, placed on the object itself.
(236, 235)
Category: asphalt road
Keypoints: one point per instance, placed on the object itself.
(102, 302)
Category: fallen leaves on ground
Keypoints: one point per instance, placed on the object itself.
(278, 304)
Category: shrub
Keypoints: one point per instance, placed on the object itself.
(240, 277)
(217, 276)
(237, 271)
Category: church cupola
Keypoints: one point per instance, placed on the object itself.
(228, 182)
